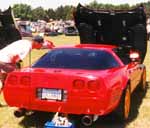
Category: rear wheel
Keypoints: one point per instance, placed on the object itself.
(123, 109)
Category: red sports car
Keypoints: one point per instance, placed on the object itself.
(86, 79)
(81, 79)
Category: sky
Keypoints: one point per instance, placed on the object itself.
(4, 4)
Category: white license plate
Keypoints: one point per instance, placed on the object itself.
(52, 94)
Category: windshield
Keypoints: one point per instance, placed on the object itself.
(77, 58)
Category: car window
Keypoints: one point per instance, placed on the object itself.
(77, 58)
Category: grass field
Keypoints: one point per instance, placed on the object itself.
(140, 115)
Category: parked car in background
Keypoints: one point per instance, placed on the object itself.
(25, 29)
(49, 32)
(94, 78)
(70, 31)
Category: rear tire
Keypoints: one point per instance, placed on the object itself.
(123, 109)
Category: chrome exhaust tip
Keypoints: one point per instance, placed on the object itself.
(19, 112)
(87, 120)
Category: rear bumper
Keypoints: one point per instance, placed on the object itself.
(75, 104)
(86, 106)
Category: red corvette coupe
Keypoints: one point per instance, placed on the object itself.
(95, 77)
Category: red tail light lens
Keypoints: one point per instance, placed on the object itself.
(93, 85)
(12, 80)
(134, 55)
(78, 84)
(25, 80)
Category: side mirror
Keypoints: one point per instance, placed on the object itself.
(134, 56)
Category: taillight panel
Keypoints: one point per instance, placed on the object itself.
(91, 85)
(25, 80)
(12, 80)
(78, 84)
(22, 80)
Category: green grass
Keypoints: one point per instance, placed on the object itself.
(140, 111)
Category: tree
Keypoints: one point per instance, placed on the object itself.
(25, 11)
(60, 13)
(147, 8)
(123, 7)
(68, 12)
(94, 5)
(39, 14)
(22, 11)
(51, 14)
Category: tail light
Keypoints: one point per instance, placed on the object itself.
(12, 79)
(25, 80)
(78, 84)
(93, 85)
(134, 55)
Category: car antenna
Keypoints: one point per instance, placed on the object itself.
(30, 59)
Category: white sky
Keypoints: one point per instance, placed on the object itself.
(4, 4)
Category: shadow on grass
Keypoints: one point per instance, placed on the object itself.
(38, 119)
(3, 105)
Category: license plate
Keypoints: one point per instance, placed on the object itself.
(52, 94)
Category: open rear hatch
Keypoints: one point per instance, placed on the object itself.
(114, 27)
(8, 28)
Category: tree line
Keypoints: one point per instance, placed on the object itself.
(25, 12)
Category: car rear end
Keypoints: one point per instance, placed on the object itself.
(56, 90)
(78, 85)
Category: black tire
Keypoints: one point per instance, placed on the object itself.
(123, 109)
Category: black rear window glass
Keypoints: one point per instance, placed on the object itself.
(77, 58)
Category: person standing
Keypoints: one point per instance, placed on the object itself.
(15, 52)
